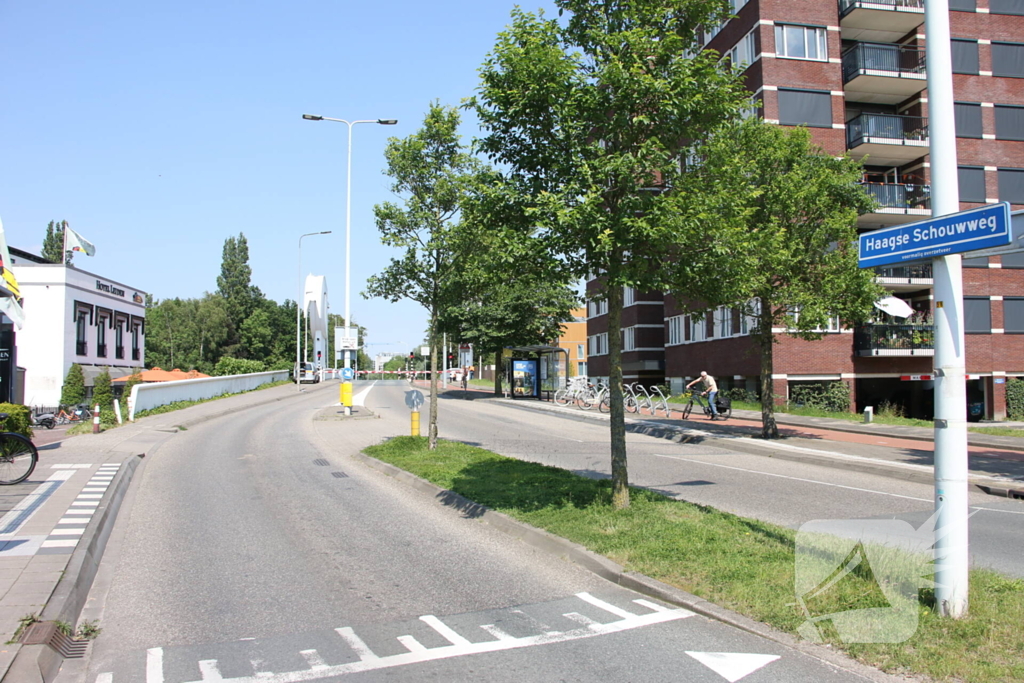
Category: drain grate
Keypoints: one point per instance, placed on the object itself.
(339, 475)
(46, 632)
(321, 462)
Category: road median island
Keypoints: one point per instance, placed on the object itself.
(741, 564)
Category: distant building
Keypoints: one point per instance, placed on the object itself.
(854, 73)
(574, 340)
(74, 316)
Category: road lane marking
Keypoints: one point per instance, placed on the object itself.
(443, 629)
(785, 476)
(411, 644)
(357, 644)
(313, 658)
(27, 506)
(651, 605)
(496, 632)
(209, 670)
(606, 606)
(155, 665)
(732, 666)
(358, 399)
(465, 647)
(107, 677)
(580, 619)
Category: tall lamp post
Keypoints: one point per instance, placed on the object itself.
(348, 216)
(298, 307)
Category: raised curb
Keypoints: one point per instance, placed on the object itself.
(894, 470)
(41, 662)
(613, 572)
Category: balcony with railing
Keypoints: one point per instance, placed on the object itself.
(905, 278)
(884, 73)
(136, 354)
(887, 139)
(119, 352)
(101, 350)
(895, 202)
(882, 21)
(894, 340)
(81, 348)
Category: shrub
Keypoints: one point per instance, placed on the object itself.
(20, 419)
(237, 366)
(1015, 399)
(741, 394)
(73, 392)
(103, 396)
(833, 397)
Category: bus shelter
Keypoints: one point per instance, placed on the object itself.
(535, 371)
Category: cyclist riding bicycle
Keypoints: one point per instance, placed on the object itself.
(710, 390)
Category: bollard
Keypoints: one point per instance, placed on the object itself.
(869, 414)
(96, 419)
(415, 422)
(346, 397)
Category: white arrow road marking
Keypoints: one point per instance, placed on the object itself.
(732, 666)
(461, 646)
(358, 399)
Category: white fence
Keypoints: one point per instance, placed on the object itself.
(146, 396)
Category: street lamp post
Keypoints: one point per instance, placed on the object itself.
(348, 220)
(298, 307)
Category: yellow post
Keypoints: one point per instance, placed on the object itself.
(346, 394)
(415, 422)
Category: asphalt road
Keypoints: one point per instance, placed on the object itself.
(748, 482)
(252, 548)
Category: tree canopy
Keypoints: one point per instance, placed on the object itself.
(590, 118)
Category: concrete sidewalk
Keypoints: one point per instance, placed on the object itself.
(53, 527)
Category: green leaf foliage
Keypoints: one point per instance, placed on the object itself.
(589, 117)
(73, 391)
(53, 243)
(237, 366)
(788, 244)
(434, 176)
(19, 419)
(103, 396)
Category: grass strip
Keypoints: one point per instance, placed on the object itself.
(743, 564)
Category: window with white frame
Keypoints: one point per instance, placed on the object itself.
(801, 42)
(831, 325)
(698, 329)
(596, 308)
(737, 5)
(629, 339)
(628, 296)
(675, 330)
(598, 344)
(579, 351)
(742, 54)
(723, 318)
(602, 307)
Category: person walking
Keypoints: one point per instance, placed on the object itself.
(710, 390)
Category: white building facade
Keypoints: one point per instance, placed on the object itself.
(74, 316)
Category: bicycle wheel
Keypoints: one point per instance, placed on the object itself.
(17, 458)
(630, 404)
(724, 411)
(586, 400)
(687, 409)
(562, 397)
(605, 406)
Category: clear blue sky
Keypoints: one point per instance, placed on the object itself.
(157, 130)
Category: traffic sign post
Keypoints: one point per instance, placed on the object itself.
(348, 374)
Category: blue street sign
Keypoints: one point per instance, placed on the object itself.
(348, 374)
(981, 228)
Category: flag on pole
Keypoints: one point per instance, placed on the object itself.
(10, 303)
(75, 242)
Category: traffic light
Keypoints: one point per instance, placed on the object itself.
(319, 354)
(451, 359)
(412, 356)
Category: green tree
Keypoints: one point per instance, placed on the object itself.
(103, 395)
(73, 391)
(792, 262)
(237, 366)
(234, 284)
(53, 243)
(493, 310)
(434, 175)
(590, 116)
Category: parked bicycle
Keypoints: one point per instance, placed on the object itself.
(18, 456)
(71, 415)
(722, 403)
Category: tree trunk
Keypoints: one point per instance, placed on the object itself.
(497, 372)
(620, 470)
(434, 376)
(766, 342)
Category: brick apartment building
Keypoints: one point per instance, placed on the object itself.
(854, 73)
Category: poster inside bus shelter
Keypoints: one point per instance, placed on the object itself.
(524, 378)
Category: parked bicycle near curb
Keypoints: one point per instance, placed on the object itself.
(18, 456)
